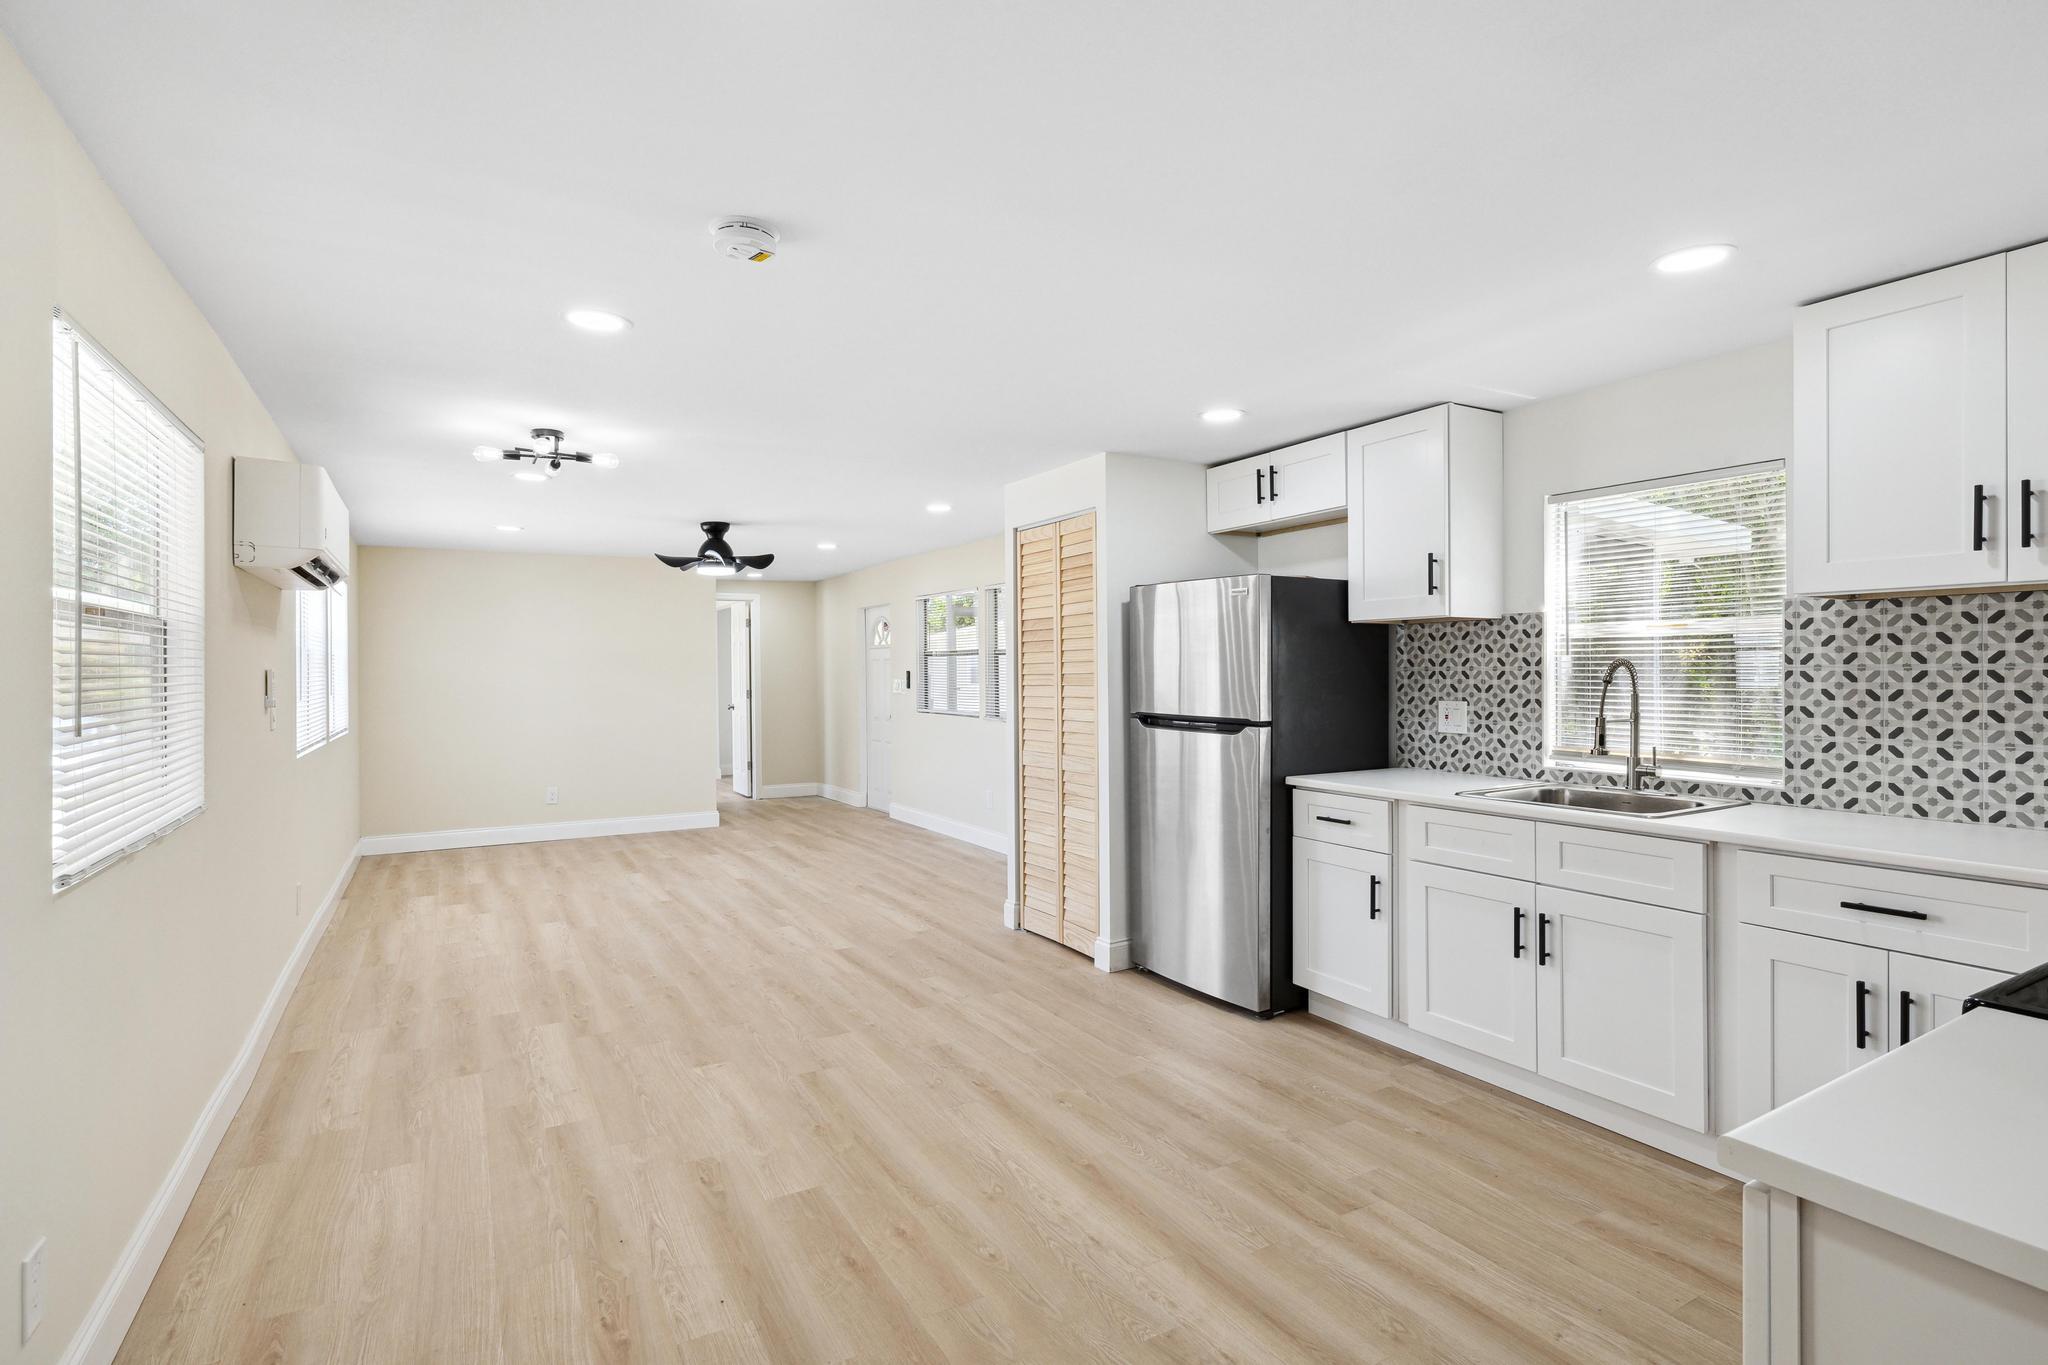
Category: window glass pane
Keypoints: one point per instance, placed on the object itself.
(1687, 582)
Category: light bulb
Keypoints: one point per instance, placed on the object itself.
(485, 454)
(605, 461)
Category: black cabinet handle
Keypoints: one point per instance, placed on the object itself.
(1273, 482)
(2026, 513)
(1862, 1016)
(1333, 819)
(1372, 896)
(1905, 1017)
(1432, 575)
(1543, 953)
(1884, 910)
(1259, 482)
(1977, 536)
(1518, 931)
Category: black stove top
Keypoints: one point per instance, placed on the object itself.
(2026, 993)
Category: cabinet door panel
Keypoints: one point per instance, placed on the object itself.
(1237, 495)
(1462, 979)
(1898, 417)
(1621, 1008)
(1797, 1018)
(1309, 480)
(1400, 517)
(2026, 415)
(1343, 944)
(1925, 994)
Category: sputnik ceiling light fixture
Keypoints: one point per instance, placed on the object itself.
(544, 459)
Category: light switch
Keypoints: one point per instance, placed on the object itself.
(1454, 717)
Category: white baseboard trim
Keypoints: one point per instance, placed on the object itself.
(782, 789)
(1010, 915)
(113, 1310)
(952, 829)
(1697, 1148)
(1112, 955)
(431, 840)
(846, 796)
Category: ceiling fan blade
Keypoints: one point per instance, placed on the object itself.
(756, 561)
(679, 561)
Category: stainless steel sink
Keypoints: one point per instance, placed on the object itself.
(1606, 800)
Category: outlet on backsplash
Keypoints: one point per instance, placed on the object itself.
(1453, 717)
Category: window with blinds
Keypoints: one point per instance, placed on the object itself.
(949, 684)
(323, 666)
(1686, 580)
(998, 653)
(128, 648)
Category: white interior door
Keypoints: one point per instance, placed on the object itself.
(1621, 1002)
(722, 721)
(1469, 960)
(881, 706)
(742, 618)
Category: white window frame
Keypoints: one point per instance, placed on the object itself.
(1706, 768)
(992, 650)
(128, 530)
(332, 602)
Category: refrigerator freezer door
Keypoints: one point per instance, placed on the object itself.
(1200, 818)
(1202, 648)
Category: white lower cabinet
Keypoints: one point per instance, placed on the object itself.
(1468, 962)
(1343, 941)
(1925, 994)
(1621, 1006)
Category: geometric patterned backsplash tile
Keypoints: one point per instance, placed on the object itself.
(1921, 706)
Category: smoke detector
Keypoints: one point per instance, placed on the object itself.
(744, 239)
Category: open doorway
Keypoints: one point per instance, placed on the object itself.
(735, 718)
(878, 706)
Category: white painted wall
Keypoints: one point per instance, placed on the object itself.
(949, 773)
(126, 1001)
(1311, 552)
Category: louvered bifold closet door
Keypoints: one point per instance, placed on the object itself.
(1038, 712)
(1079, 841)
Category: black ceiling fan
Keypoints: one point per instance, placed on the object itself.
(714, 558)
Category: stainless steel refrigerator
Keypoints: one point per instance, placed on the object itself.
(1234, 685)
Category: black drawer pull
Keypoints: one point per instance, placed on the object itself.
(1905, 1017)
(1273, 483)
(2027, 536)
(1884, 910)
(1333, 820)
(1259, 482)
(1543, 953)
(1862, 1016)
(1978, 539)
(1517, 940)
(1432, 575)
(1372, 896)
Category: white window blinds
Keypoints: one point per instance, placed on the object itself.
(128, 713)
(998, 655)
(949, 684)
(1686, 580)
(323, 666)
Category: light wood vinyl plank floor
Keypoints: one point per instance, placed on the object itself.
(787, 1091)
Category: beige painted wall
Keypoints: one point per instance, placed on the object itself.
(956, 768)
(787, 688)
(487, 677)
(124, 1001)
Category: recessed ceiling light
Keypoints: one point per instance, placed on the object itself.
(596, 320)
(827, 545)
(1687, 259)
(511, 528)
(1217, 417)
(938, 507)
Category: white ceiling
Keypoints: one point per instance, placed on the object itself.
(1014, 234)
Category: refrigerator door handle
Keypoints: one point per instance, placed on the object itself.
(1200, 726)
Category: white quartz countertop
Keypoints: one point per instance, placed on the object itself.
(1939, 1141)
(2012, 855)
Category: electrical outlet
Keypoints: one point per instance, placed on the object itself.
(32, 1290)
(1454, 717)
(551, 796)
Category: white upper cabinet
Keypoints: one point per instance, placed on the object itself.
(1425, 516)
(1900, 479)
(2026, 414)
(1290, 487)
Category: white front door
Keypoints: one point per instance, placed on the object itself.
(881, 704)
(742, 713)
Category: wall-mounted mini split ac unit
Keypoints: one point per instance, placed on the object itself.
(291, 528)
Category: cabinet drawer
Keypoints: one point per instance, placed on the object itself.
(1636, 867)
(1952, 918)
(1477, 843)
(1331, 818)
